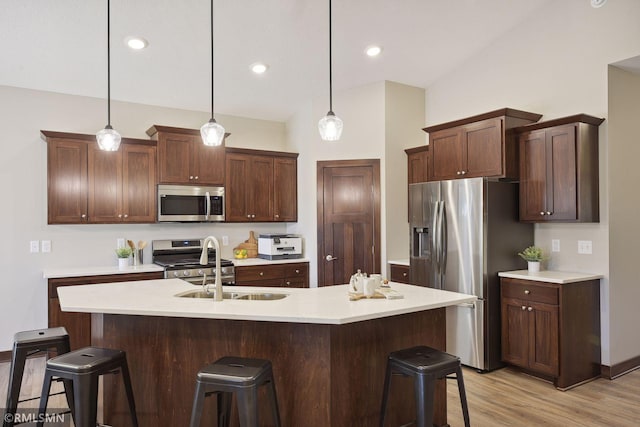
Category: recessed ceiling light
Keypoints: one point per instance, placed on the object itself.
(598, 3)
(258, 67)
(373, 50)
(136, 43)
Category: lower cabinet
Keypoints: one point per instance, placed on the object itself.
(78, 325)
(552, 330)
(288, 275)
(400, 273)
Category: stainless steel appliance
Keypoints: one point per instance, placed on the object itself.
(279, 246)
(188, 203)
(463, 232)
(181, 259)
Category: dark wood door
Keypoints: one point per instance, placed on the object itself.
(562, 190)
(237, 172)
(482, 149)
(543, 338)
(533, 176)
(261, 188)
(67, 181)
(139, 183)
(207, 163)
(348, 219)
(105, 185)
(417, 164)
(515, 332)
(285, 189)
(446, 154)
(174, 158)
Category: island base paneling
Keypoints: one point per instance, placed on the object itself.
(326, 375)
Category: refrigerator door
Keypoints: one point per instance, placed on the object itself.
(465, 333)
(423, 200)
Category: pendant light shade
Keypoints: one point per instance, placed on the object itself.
(211, 132)
(108, 138)
(330, 126)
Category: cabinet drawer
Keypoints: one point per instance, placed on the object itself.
(529, 291)
(259, 272)
(278, 283)
(400, 273)
(296, 270)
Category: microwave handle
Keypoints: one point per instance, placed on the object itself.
(208, 198)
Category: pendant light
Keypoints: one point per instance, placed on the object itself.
(330, 126)
(211, 132)
(108, 138)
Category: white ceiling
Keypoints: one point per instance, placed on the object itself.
(60, 46)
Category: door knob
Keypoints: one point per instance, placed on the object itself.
(330, 258)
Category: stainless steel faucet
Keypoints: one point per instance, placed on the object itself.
(204, 260)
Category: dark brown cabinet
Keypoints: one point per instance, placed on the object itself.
(78, 325)
(552, 330)
(478, 146)
(87, 185)
(184, 159)
(559, 170)
(291, 275)
(417, 164)
(400, 273)
(261, 186)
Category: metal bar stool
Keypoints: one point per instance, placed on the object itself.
(26, 344)
(83, 368)
(241, 376)
(425, 365)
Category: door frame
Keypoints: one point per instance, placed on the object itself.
(375, 166)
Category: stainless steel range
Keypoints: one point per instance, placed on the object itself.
(181, 259)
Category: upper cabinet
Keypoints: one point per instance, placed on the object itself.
(261, 186)
(87, 185)
(417, 164)
(559, 170)
(478, 146)
(184, 159)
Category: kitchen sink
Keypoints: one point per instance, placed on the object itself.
(246, 296)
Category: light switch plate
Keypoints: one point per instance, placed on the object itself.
(120, 243)
(46, 246)
(225, 240)
(555, 245)
(34, 246)
(585, 247)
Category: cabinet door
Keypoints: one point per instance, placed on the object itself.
(105, 185)
(400, 273)
(515, 332)
(562, 193)
(482, 149)
(417, 167)
(207, 163)
(296, 275)
(446, 153)
(533, 176)
(543, 338)
(138, 183)
(237, 172)
(285, 189)
(174, 157)
(261, 199)
(67, 182)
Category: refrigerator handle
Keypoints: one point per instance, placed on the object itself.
(435, 240)
(443, 240)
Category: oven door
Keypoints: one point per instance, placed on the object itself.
(186, 203)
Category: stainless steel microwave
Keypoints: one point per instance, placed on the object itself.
(187, 203)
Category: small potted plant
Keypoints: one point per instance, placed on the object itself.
(533, 255)
(123, 257)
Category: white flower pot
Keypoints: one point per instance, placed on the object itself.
(123, 263)
(533, 266)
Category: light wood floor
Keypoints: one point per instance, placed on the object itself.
(501, 398)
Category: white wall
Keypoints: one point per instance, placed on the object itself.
(23, 217)
(554, 64)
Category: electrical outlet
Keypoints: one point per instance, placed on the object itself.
(34, 246)
(120, 243)
(46, 246)
(225, 240)
(585, 247)
(555, 245)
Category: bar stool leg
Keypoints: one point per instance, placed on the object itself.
(44, 397)
(124, 370)
(248, 406)
(385, 395)
(86, 401)
(15, 381)
(463, 397)
(224, 408)
(196, 409)
(424, 390)
(273, 398)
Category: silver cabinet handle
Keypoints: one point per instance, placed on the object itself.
(120, 216)
(524, 308)
(297, 271)
(548, 213)
(458, 173)
(262, 273)
(530, 308)
(196, 176)
(527, 291)
(330, 258)
(207, 198)
(126, 216)
(190, 176)
(288, 283)
(277, 216)
(464, 172)
(83, 216)
(542, 213)
(253, 216)
(404, 274)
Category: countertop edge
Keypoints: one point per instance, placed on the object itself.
(551, 276)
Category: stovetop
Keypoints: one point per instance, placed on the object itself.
(191, 263)
(183, 254)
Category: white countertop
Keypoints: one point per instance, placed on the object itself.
(551, 276)
(327, 305)
(399, 262)
(53, 273)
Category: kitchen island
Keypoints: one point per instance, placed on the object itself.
(328, 353)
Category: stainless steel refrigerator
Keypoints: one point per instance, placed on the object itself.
(463, 232)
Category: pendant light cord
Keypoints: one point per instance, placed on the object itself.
(212, 65)
(109, 63)
(330, 65)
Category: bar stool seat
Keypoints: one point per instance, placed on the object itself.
(425, 365)
(25, 344)
(83, 368)
(241, 376)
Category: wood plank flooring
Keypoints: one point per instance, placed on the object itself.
(504, 397)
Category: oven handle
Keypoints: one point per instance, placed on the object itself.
(206, 195)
